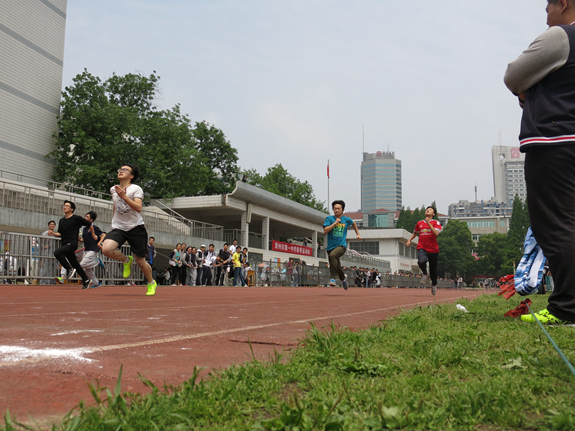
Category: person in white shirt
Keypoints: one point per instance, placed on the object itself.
(128, 225)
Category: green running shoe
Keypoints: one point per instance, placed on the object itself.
(545, 318)
(152, 288)
(59, 280)
(127, 267)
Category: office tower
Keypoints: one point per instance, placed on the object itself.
(380, 182)
(508, 177)
(32, 57)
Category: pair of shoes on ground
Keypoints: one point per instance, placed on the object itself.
(546, 318)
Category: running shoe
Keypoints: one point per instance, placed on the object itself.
(433, 289)
(92, 286)
(423, 279)
(545, 318)
(101, 264)
(86, 284)
(127, 267)
(344, 283)
(332, 282)
(152, 288)
(59, 280)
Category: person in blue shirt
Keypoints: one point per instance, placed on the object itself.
(335, 226)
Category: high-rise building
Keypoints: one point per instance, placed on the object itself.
(32, 58)
(380, 182)
(508, 176)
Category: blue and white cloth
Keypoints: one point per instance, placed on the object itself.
(530, 269)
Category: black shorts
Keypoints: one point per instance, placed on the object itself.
(136, 237)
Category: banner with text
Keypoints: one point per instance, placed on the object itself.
(291, 248)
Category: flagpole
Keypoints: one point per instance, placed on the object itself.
(328, 185)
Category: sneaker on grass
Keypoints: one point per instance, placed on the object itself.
(152, 288)
(127, 267)
(545, 318)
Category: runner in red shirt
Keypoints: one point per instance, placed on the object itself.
(427, 248)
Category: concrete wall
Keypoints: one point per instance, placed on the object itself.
(32, 52)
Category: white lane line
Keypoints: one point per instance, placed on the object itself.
(215, 304)
(222, 332)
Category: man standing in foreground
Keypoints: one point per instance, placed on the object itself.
(543, 78)
(68, 229)
(336, 228)
(427, 248)
(128, 225)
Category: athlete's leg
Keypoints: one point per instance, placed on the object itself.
(422, 260)
(335, 270)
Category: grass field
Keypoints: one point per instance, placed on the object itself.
(433, 368)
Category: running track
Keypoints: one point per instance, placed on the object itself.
(68, 336)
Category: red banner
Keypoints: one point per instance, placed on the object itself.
(291, 248)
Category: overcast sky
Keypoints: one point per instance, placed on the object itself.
(294, 82)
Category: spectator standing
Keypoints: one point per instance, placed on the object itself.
(48, 268)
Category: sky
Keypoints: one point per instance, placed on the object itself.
(303, 82)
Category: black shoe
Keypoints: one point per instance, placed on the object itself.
(86, 284)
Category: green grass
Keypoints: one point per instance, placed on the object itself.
(432, 368)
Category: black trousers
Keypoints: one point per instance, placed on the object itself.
(66, 255)
(550, 178)
(422, 258)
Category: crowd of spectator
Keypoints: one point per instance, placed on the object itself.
(192, 266)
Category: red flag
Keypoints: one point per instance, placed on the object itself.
(328, 168)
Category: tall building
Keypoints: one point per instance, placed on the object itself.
(508, 177)
(32, 57)
(380, 182)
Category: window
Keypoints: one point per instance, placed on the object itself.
(365, 247)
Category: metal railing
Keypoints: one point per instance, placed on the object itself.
(198, 229)
(49, 201)
(30, 259)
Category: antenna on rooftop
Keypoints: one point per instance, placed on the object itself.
(475, 192)
(363, 132)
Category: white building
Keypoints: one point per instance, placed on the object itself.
(508, 177)
(387, 244)
(32, 57)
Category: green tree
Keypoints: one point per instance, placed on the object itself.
(403, 220)
(415, 217)
(455, 245)
(279, 181)
(518, 225)
(215, 152)
(434, 205)
(105, 124)
(491, 252)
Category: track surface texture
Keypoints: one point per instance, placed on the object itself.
(54, 339)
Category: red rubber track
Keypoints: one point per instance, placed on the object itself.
(164, 336)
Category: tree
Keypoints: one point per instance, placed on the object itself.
(279, 181)
(403, 220)
(491, 252)
(105, 124)
(455, 245)
(518, 225)
(415, 217)
(216, 152)
(434, 205)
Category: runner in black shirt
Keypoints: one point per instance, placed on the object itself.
(68, 229)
